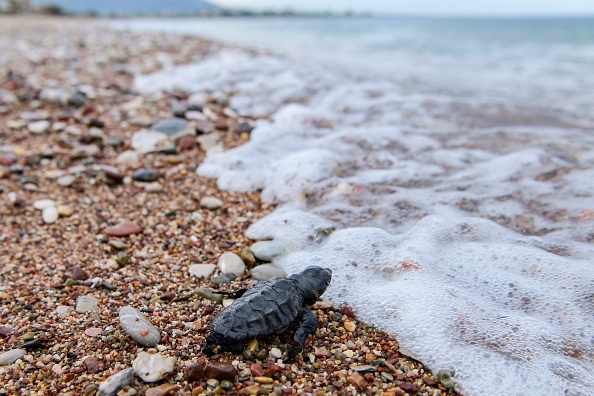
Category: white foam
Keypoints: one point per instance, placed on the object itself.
(471, 243)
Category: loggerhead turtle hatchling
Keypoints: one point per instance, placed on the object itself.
(270, 307)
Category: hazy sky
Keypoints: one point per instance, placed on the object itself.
(441, 7)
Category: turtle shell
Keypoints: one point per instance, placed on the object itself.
(267, 308)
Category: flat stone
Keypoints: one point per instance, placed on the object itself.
(268, 271)
(269, 250)
(122, 229)
(187, 143)
(65, 211)
(66, 180)
(170, 126)
(357, 380)
(9, 357)
(195, 372)
(154, 187)
(211, 203)
(93, 331)
(147, 141)
(151, 366)
(86, 304)
(112, 385)
(84, 151)
(137, 326)
(127, 157)
(50, 214)
(93, 365)
(112, 172)
(44, 203)
(38, 127)
(202, 270)
(230, 263)
(220, 371)
(77, 273)
(62, 309)
(163, 390)
(146, 175)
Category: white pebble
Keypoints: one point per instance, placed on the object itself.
(11, 356)
(276, 353)
(152, 366)
(230, 263)
(44, 203)
(269, 250)
(202, 270)
(211, 203)
(50, 214)
(38, 126)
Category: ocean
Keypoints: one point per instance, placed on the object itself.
(454, 159)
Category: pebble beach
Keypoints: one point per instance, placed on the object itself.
(111, 243)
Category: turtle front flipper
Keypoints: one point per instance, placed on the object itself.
(233, 294)
(309, 324)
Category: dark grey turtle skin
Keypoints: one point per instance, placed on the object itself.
(270, 307)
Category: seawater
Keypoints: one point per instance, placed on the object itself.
(455, 159)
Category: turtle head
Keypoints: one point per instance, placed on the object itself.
(313, 282)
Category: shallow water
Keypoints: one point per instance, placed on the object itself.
(455, 158)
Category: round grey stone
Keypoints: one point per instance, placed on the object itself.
(135, 324)
(170, 126)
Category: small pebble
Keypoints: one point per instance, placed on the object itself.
(65, 211)
(211, 203)
(268, 271)
(127, 157)
(276, 353)
(231, 263)
(66, 180)
(152, 366)
(44, 203)
(195, 372)
(50, 214)
(163, 390)
(147, 141)
(38, 127)
(86, 304)
(138, 327)
(112, 385)
(11, 356)
(146, 175)
(122, 229)
(269, 250)
(220, 371)
(202, 270)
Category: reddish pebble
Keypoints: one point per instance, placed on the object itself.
(93, 331)
(186, 143)
(122, 229)
(220, 371)
(144, 332)
(163, 390)
(5, 331)
(77, 273)
(93, 365)
(357, 380)
(337, 384)
(195, 372)
(257, 370)
(112, 172)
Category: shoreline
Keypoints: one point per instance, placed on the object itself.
(78, 78)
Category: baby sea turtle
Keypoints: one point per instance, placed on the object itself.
(270, 307)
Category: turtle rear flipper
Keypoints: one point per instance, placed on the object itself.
(308, 326)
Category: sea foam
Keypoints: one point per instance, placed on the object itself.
(466, 236)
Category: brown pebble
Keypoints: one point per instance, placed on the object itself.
(257, 370)
(65, 210)
(220, 371)
(252, 389)
(112, 172)
(264, 380)
(163, 390)
(93, 365)
(195, 372)
(337, 384)
(186, 143)
(5, 331)
(122, 229)
(408, 387)
(357, 380)
(77, 273)
(197, 391)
